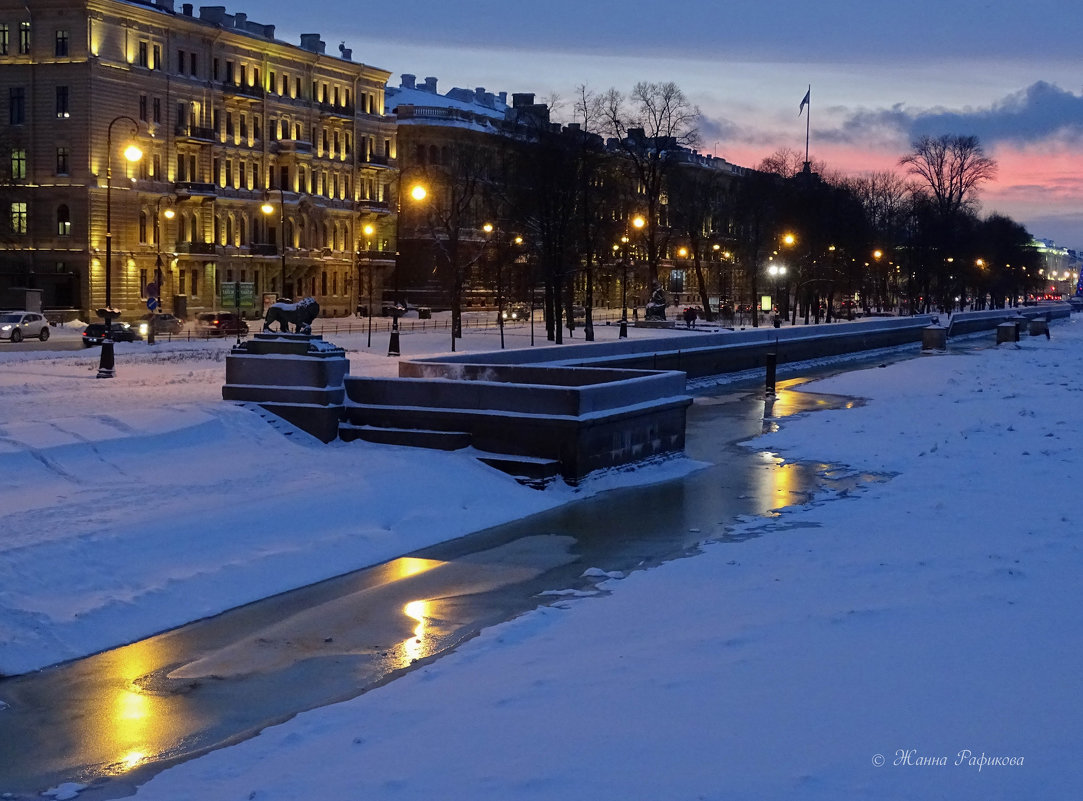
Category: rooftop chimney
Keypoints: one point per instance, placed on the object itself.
(407, 81)
(430, 85)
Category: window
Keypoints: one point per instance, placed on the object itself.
(156, 166)
(62, 39)
(63, 156)
(157, 57)
(181, 282)
(143, 108)
(180, 61)
(62, 109)
(195, 282)
(244, 127)
(192, 64)
(229, 72)
(257, 128)
(157, 106)
(18, 164)
(24, 38)
(17, 105)
(142, 58)
(18, 218)
(143, 227)
(271, 83)
(5, 39)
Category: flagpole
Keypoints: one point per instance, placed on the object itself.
(808, 124)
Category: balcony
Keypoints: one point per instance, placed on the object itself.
(249, 92)
(373, 206)
(185, 189)
(336, 111)
(284, 146)
(194, 133)
(263, 249)
(196, 248)
(378, 160)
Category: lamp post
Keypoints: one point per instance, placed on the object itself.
(637, 223)
(369, 231)
(418, 193)
(268, 209)
(159, 275)
(106, 363)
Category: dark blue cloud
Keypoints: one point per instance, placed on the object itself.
(1041, 111)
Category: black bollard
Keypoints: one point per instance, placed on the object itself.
(772, 360)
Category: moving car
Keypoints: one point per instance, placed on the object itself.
(220, 324)
(20, 325)
(94, 333)
(516, 311)
(163, 324)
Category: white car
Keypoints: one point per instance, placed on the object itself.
(20, 325)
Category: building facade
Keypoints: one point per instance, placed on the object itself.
(263, 163)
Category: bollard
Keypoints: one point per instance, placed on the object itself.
(934, 337)
(772, 360)
(1007, 332)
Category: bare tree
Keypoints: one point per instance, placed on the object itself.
(651, 125)
(953, 168)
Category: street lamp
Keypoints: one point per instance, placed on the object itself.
(637, 223)
(106, 363)
(155, 297)
(268, 209)
(418, 192)
(369, 231)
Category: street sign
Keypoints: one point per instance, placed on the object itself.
(152, 303)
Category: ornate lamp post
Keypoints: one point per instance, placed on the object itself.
(106, 363)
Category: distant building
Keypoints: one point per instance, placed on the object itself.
(229, 120)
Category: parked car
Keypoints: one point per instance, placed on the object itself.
(220, 324)
(163, 324)
(20, 325)
(94, 333)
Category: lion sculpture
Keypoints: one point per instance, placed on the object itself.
(299, 314)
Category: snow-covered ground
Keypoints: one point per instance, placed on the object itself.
(919, 638)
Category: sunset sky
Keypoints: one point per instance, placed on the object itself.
(880, 74)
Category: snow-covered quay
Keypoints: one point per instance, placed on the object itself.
(919, 638)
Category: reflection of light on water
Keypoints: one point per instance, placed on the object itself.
(415, 646)
(134, 717)
(410, 566)
(131, 760)
(131, 706)
(781, 483)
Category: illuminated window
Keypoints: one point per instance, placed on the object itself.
(63, 221)
(18, 218)
(63, 156)
(24, 38)
(62, 39)
(18, 164)
(5, 39)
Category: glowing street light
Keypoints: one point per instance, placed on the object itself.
(106, 363)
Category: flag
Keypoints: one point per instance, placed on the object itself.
(804, 101)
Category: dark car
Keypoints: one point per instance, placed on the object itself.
(516, 311)
(220, 324)
(163, 324)
(94, 333)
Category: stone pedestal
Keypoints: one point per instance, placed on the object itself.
(298, 377)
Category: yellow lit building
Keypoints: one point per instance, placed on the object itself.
(263, 163)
